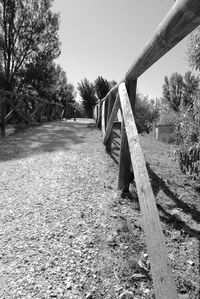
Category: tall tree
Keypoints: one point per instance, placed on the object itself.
(48, 80)
(172, 90)
(102, 87)
(87, 93)
(191, 88)
(180, 91)
(194, 49)
(145, 113)
(28, 28)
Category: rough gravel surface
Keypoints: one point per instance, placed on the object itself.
(61, 216)
(65, 230)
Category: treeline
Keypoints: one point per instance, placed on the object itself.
(180, 106)
(92, 93)
(29, 44)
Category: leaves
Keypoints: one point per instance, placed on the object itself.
(173, 90)
(26, 33)
(102, 87)
(187, 147)
(87, 92)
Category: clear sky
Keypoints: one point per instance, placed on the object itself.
(103, 37)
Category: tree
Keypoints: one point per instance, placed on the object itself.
(102, 87)
(145, 113)
(87, 93)
(193, 51)
(28, 29)
(187, 144)
(48, 80)
(191, 88)
(112, 83)
(179, 93)
(172, 91)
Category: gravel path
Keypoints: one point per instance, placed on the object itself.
(65, 231)
(61, 216)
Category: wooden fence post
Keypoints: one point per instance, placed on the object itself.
(106, 111)
(3, 123)
(125, 161)
(131, 87)
(110, 124)
(99, 115)
(103, 118)
(163, 280)
(111, 102)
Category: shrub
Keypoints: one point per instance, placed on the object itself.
(145, 114)
(187, 147)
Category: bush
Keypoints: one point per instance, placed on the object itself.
(145, 114)
(167, 115)
(187, 147)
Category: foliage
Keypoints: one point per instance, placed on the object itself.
(191, 89)
(187, 147)
(194, 49)
(145, 113)
(167, 115)
(173, 91)
(178, 93)
(112, 83)
(187, 103)
(48, 80)
(87, 93)
(28, 29)
(102, 87)
(80, 111)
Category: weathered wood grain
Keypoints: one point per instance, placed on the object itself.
(10, 94)
(119, 115)
(106, 110)
(16, 108)
(182, 19)
(131, 87)
(37, 108)
(125, 161)
(10, 113)
(3, 124)
(103, 119)
(111, 102)
(113, 90)
(111, 120)
(161, 271)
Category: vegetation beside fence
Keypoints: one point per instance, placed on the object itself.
(19, 108)
(180, 21)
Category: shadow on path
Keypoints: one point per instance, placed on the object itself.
(49, 137)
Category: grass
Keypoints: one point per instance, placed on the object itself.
(178, 203)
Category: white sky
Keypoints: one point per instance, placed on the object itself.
(103, 37)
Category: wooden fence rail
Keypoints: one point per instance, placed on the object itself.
(182, 19)
(30, 110)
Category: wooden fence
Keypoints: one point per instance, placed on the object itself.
(183, 17)
(30, 110)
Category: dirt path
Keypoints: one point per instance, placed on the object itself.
(65, 231)
(61, 216)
